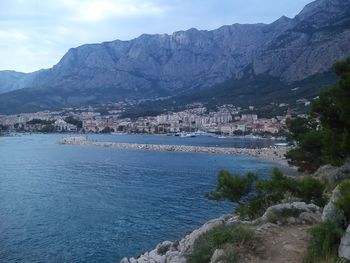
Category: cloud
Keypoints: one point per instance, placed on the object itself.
(98, 10)
(9, 35)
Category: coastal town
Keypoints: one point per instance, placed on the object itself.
(227, 120)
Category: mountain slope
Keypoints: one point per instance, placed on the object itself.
(10, 80)
(150, 66)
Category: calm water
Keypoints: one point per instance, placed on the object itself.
(61, 203)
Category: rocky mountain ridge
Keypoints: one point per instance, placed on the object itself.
(165, 65)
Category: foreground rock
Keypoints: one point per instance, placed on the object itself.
(298, 213)
(331, 211)
(344, 247)
(291, 213)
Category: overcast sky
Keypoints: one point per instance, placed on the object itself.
(35, 34)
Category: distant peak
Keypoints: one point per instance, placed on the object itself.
(323, 5)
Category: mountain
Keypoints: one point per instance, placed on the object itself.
(192, 61)
(10, 80)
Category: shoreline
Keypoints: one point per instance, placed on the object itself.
(275, 153)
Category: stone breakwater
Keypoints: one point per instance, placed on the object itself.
(275, 153)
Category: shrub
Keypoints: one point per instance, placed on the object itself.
(311, 190)
(232, 187)
(252, 204)
(220, 237)
(324, 241)
(231, 254)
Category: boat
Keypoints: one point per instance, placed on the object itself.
(281, 144)
(187, 135)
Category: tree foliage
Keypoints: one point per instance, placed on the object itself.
(255, 195)
(232, 187)
(76, 122)
(324, 137)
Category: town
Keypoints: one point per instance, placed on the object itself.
(228, 120)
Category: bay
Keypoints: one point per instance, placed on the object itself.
(63, 203)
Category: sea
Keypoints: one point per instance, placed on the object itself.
(69, 203)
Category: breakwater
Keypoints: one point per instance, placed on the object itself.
(274, 153)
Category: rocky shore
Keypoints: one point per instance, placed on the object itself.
(275, 153)
(282, 230)
(177, 252)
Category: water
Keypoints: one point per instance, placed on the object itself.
(62, 203)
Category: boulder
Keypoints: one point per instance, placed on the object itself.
(309, 218)
(331, 211)
(218, 253)
(290, 213)
(344, 247)
(186, 244)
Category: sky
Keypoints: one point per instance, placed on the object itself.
(35, 34)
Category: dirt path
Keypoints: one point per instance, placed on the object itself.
(286, 244)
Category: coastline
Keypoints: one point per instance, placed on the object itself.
(275, 153)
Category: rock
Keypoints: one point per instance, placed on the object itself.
(124, 260)
(291, 220)
(164, 247)
(282, 212)
(186, 244)
(265, 227)
(344, 247)
(309, 218)
(331, 211)
(334, 175)
(168, 252)
(218, 253)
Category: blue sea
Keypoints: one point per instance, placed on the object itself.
(64, 203)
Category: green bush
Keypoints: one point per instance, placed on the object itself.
(325, 238)
(231, 254)
(311, 190)
(220, 237)
(253, 201)
(324, 137)
(232, 187)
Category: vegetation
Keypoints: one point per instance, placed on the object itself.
(76, 122)
(324, 242)
(227, 237)
(49, 128)
(3, 128)
(107, 130)
(254, 195)
(40, 121)
(324, 137)
(259, 91)
(325, 236)
(232, 187)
